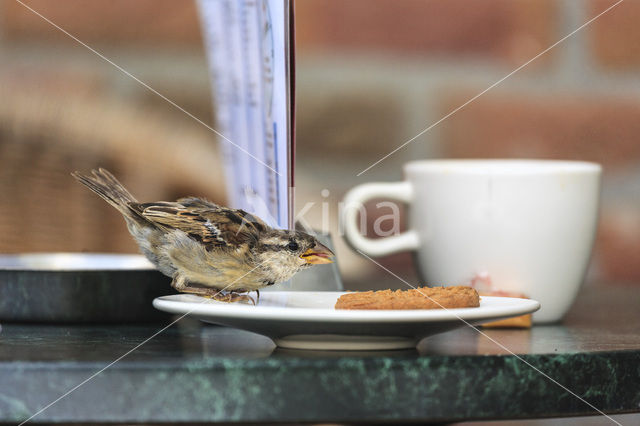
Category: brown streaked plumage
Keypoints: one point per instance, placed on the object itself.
(207, 248)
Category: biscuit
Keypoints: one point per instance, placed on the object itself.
(420, 298)
(523, 321)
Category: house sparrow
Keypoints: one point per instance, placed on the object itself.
(208, 249)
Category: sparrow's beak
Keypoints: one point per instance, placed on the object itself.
(318, 255)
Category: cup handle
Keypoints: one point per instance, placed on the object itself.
(356, 197)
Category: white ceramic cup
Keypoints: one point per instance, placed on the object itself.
(528, 226)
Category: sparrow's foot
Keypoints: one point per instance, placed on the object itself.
(231, 297)
(181, 284)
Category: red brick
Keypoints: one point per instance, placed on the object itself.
(506, 29)
(617, 249)
(615, 36)
(51, 81)
(601, 129)
(358, 121)
(109, 21)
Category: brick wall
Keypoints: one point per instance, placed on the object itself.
(426, 58)
(126, 22)
(374, 73)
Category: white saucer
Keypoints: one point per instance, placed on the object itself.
(307, 320)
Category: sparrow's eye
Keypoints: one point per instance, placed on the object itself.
(293, 246)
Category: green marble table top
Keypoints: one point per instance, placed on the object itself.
(192, 372)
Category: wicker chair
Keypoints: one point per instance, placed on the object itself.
(43, 138)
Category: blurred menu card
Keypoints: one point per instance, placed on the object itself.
(250, 54)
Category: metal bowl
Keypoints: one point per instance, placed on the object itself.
(79, 287)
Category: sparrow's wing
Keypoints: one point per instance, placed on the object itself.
(207, 206)
(195, 202)
(215, 227)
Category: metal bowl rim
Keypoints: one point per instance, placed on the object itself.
(74, 262)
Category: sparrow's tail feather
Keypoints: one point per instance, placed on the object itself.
(103, 183)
